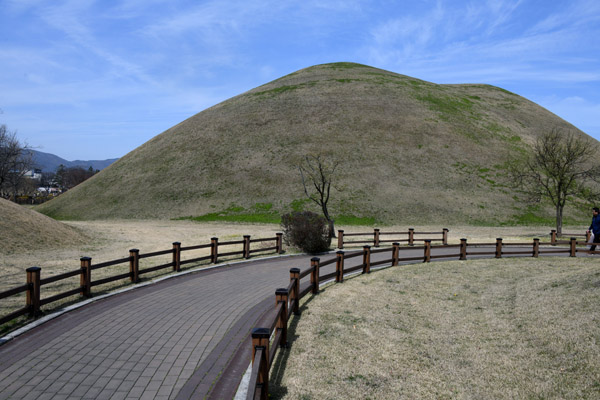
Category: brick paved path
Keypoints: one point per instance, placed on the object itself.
(168, 340)
(145, 343)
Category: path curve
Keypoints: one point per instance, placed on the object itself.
(169, 340)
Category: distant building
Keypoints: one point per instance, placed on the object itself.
(35, 174)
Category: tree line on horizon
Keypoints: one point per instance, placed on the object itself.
(18, 175)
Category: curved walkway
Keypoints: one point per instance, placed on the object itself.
(172, 339)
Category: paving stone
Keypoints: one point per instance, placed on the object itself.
(145, 342)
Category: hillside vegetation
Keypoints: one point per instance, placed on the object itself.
(24, 230)
(409, 151)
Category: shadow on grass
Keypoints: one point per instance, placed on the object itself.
(276, 389)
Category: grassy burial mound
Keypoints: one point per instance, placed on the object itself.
(407, 149)
(24, 230)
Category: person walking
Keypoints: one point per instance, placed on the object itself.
(595, 227)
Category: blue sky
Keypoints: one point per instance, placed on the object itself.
(88, 79)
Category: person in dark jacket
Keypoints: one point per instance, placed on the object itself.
(595, 227)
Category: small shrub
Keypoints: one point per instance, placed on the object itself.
(306, 230)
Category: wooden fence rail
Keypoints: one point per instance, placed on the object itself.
(33, 291)
(266, 339)
(554, 236)
(376, 237)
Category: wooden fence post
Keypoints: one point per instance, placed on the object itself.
(339, 267)
(588, 236)
(411, 236)
(445, 236)
(376, 232)
(573, 247)
(395, 253)
(427, 255)
(214, 249)
(366, 259)
(463, 249)
(260, 339)
(536, 247)
(314, 275)
(281, 296)
(134, 265)
(340, 239)
(33, 294)
(246, 246)
(498, 247)
(553, 237)
(86, 276)
(295, 274)
(176, 256)
(279, 242)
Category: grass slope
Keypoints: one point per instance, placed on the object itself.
(24, 230)
(409, 150)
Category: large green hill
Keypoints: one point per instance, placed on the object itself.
(409, 151)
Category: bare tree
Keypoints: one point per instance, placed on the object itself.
(317, 175)
(562, 164)
(15, 161)
(68, 178)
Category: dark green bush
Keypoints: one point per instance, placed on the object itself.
(306, 230)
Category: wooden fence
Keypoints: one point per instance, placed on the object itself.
(270, 336)
(376, 237)
(34, 282)
(554, 237)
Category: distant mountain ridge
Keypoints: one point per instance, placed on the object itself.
(49, 162)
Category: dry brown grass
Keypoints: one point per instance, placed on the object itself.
(24, 230)
(481, 329)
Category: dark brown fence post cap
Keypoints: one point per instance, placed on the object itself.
(463, 240)
(281, 291)
(573, 238)
(427, 240)
(366, 247)
(376, 229)
(214, 238)
(261, 333)
(134, 251)
(246, 236)
(295, 270)
(317, 259)
(395, 244)
(33, 269)
(85, 259)
(536, 238)
(177, 243)
(339, 252)
(553, 230)
(446, 229)
(340, 230)
(279, 233)
(411, 229)
(498, 238)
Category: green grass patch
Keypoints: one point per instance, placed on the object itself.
(446, 104)
(345, 65)
(354, 220)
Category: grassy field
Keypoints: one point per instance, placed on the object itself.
(481, 329)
